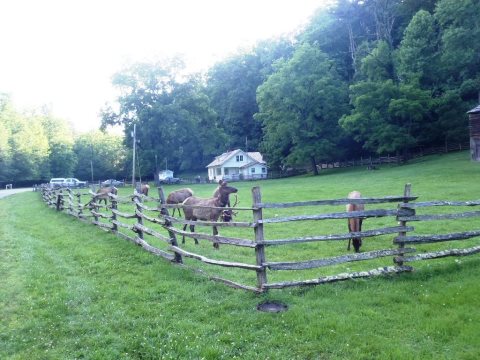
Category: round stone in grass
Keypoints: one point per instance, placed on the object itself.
(272, 306)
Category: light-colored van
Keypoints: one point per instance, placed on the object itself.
(57, 182)
(74, 182)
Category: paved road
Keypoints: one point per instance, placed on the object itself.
(4, 193)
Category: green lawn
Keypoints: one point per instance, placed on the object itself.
(69, 290)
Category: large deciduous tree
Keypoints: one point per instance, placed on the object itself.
(299, 108)
(418, 52)
(232, 86)
(103, 153)
(173, 117)
(23, 143)
(387, 117)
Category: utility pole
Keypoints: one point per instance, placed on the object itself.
(134, 135)
(91, 161)
(156, 177)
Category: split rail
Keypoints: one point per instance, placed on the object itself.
(152, 228)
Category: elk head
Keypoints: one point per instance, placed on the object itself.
(227, 215)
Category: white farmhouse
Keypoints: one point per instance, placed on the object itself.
(237, 165)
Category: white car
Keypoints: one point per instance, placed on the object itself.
(57, 182)
(67, 182)
(113, 182)
(73, 182)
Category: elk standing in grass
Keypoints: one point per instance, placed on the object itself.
(178, 197)
(144, 189)
(355, 224)
(102, 194)
(210, 208)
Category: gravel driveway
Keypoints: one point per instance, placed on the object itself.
(4, 193)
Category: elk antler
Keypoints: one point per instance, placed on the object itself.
(234, 213)
(236, 200)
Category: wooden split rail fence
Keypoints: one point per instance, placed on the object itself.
(156, 223)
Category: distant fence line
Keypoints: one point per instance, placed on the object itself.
(372, 161)
(161, 226)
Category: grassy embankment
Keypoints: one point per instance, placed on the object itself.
(69, 290)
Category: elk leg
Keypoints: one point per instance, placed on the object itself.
(215, 243)
(350, 239)
(192, 229)
(183, 237)
(359, 229)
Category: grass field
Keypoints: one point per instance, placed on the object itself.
(69, 290)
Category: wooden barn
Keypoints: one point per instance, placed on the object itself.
(474, 126)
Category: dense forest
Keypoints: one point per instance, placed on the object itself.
(35, 146)
(362, 77)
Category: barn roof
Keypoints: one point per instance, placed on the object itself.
(474, 110)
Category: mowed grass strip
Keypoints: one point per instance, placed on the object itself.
(69, 290)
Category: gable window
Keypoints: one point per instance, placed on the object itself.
(239, 158)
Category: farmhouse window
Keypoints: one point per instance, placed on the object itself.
(253, 171)
(219, 171)
(239, 158)
(225, 170)
(264, 170)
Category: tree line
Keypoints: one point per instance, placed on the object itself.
(35, 146)
(363, 77)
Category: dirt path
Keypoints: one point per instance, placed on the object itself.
(4, 193)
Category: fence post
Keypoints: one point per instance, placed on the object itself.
(70, 200)
(94, 209)
(399, 259)
(49, 195)
(138, 208)
(168, 223)
(79, 205)
(114, 216)
(259, 248)
(59, 201)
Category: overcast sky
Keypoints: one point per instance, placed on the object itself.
(62, 53)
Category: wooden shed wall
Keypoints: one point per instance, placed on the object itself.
(474, 125)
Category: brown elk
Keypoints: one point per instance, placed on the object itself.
(217, 190)
(144, 189)
(102, 194)
(178, 197)
(355, 224)
(209, 210)
(227, 215)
